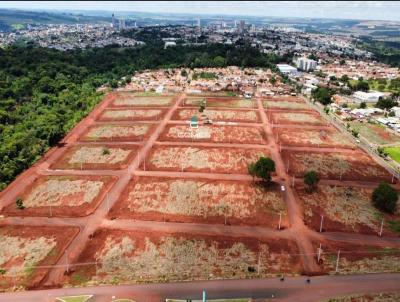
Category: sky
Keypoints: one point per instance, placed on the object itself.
(372, 10)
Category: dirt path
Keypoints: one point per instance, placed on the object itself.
(93, 222)
(294, 211)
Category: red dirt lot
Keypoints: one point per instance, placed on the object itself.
(227, 115)
(96, 157)
(352, 165)
(68, 196)
(312, 138)
(201, 201)
(117, 133)
(126, 114)
(345, 209)
(129, 100)
(127, 257)
(230, 102)
(296, 118)
(285, 102)
(24, 247)
(357, 258)
(216, 134)
(202, 159)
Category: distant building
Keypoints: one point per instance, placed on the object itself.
(367, 97)
(168, 44)
(242, 25)
(287, 69)
(114, 22)
(306, 64)
(122, 24)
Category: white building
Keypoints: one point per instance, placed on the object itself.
(306, 64)
(367, 97)
(168, 44)
(287, 69)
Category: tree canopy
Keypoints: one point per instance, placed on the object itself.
(262, 168)
(311, 179)
(385, 198)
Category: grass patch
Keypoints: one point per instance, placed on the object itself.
(78, 278)
(82, 298)
(394, 225)
(394, 153)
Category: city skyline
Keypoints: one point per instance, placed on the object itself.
(367, 10)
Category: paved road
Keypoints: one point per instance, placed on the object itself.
(292, 289)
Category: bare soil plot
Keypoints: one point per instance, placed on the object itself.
(141, 101)
(313, 138)
(202, 159)
(95, 157)
(347, 209)
(375, 133)
(133, 132)
(230, 102)
(126, 257)
(298, 118)
(376, 297)
(62, 196)
(227, 115)
(201, 201)
(285, 104)
(358, 259)
(216, 134)
(352, 165)
(23, 248)
(110, 115)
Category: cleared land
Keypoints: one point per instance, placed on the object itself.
(313, 138)
(285, 104)
(378, 297)
(358, 259)
(203, 159)
(216, 134)
(230, 102)
(125, 257)
(61, 196)
(352, 165)
(201, 201)
(93, 157)
(131, 114)
(219, 115)
(134, 132)
(345, 209)
(24, 247)
(298, 118)
(129, 100)
(375, 133)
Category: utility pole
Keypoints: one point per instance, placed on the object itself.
(319, 252)
(322, 221)
(337, 261)
(280, 221)
(380, 231)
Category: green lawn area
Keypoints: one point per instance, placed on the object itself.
(394, 153)
(82, 298)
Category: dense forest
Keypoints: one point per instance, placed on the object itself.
(385, 51)
(45, 92)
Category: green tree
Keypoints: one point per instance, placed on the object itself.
(263, 168)
(385, 198)
(311, 179)
(386, 103)
(363, 105)
(184, 73)
(322, 95)
(251, 168)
